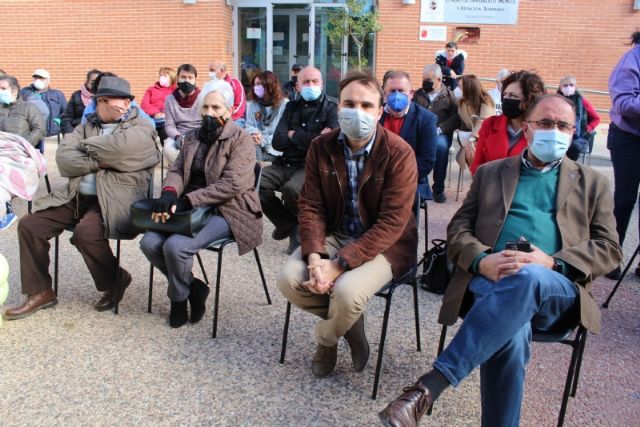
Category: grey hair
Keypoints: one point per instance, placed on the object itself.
(502, 74)
(568, 79)
(13, 82)
(433, 68)
(220, 86)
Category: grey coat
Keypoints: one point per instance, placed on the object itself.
(229, 173)
(131, 155)
(24, 119)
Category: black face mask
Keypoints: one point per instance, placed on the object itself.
(186, 87)
(427, 85)
(511, 108)
(210, 129)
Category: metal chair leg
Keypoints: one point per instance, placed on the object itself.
(150, 288)
(55, 264)
(204, 273)
(117, 289)
(285, 333)
(264, 282)
(460, 178)
(29, 207)
(416, 313)
(47, 183)
(568, 384)
(217, 294)
(624, 273)
(383, 337)
(582, 342)
(443, 337)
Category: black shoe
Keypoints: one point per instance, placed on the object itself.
(294, 241)
(199, 291)
(615, 274)
(280, 234)
(178, 315)
(439, 197)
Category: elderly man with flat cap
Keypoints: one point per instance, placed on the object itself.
(109, 162)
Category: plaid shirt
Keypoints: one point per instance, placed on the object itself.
(351, 223)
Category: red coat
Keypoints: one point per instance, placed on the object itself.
(493, 142)
(153, 100)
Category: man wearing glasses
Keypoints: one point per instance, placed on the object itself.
(532, 234)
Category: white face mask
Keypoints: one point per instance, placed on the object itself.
(39, 84)
(355, 123)
(550, 145)
(213, 75)
(568, 90)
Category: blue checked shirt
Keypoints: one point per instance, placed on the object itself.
(351, 223)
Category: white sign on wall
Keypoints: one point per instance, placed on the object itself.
(503, 12)
(432, 34)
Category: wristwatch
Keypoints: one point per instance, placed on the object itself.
(343, 262)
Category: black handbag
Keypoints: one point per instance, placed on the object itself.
(436, 269)
(187, 223)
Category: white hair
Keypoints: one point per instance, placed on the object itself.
(433, 68)
(220, 86)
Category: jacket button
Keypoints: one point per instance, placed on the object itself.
(498, 222)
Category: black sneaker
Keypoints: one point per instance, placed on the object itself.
(439, 197)
(614, 274)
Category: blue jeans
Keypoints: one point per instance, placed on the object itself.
(625, 156)
(496, 334)
(443, 143)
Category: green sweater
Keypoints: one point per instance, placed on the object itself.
(532, 214)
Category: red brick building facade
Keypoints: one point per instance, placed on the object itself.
(580, 37)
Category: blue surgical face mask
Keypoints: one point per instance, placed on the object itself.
(311, 93)
(549, 145)
(397, 101)
(5, 96)
(355, 123)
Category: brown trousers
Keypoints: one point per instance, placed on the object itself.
(35, 231)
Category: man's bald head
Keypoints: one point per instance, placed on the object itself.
(310, 75)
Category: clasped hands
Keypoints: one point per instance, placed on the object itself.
(507, 262)
(167, 204)
(322, 274)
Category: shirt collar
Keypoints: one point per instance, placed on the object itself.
(527, 164)
(342, 138)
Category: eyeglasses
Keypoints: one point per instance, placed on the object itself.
(547, 124)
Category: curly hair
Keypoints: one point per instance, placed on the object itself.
(531, 84)
(272, 90)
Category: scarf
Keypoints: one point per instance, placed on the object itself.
(85, 95)
(189, 100)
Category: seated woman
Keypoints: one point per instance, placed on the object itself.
(215, 167)
(264, 109)
(502, 136)
(155, 96)
(79, 100)
(474, 107)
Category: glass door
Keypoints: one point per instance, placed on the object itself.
(329, 56)
(290, 41)
(253, 34)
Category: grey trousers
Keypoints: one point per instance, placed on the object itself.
(172, 254)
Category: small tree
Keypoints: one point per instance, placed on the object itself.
(355, 22)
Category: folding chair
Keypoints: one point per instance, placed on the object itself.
(218, 247)
(624, 273)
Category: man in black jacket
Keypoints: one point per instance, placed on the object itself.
(312, 114)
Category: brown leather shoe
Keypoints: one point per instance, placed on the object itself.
(107, 301)
(408, 408)
(32, 304)
(358, 344)
(324, 361)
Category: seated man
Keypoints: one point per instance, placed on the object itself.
(51, 102)
(565, 210)
(218, 71)
(356, 223)
(109, 163)
(305, 118)
(437, 98)
(413, 123)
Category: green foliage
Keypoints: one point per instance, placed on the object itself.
(355, 22)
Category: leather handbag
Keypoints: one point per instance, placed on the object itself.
(187, 223)
(436, 269)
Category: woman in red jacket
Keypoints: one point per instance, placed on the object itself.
(502, 136)
(153, 100)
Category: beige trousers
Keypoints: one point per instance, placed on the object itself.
(345, 304)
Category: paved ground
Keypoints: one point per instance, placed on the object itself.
(73, 366)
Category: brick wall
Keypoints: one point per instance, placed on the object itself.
(580, 37)
(131, 38)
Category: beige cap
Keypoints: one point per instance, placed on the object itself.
(41, 72)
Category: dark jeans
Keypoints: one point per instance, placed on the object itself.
(288, 180)
(34, 232)
(625, 156)
(443, 143)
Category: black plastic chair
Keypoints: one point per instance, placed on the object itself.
(71, 228)
(386, 292)
(577, 343)
(218, 247)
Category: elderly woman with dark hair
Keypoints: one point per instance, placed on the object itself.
(502, 136)
(215, 168)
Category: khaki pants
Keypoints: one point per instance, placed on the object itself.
(345, 304)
